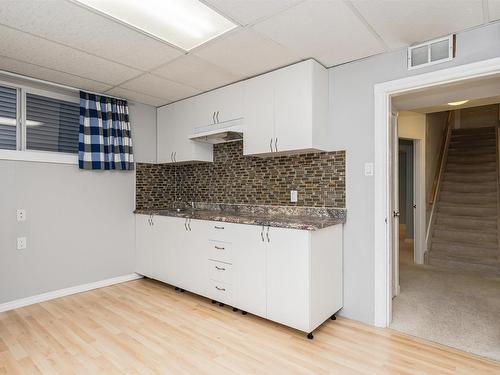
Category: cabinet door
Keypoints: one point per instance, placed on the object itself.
(249, 270)
(229, 102)
(194, 249)
(174, 126)
(144, 245)
(258, 113)
(293, 107)
(288, 277)
(166, 122)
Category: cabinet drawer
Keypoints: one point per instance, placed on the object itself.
(221, 292)
(220, 251)
(220, 231)
(219, 271)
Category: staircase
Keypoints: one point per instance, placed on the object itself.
(465, 230)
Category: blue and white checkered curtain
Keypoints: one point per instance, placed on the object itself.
(105, 141)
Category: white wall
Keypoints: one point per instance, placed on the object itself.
(80, 225)
(352, 117)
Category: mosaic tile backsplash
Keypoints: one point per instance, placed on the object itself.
(233, 178)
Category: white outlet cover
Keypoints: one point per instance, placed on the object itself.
(293, 196)
(21, 214)
(21, 243)
(368, 169)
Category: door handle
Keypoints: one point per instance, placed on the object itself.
(221, 289)
(213, 117)
(220, 268)
(217, 116)
(219, 248)
(185, 225)
(172, 157)
(396, 213)
(216, 227)
(276, 144)
(262, 234)
(267, 234)
(175, 154)
(189, 224)
(271, 145)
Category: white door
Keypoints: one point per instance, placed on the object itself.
(258, 113)
(394, 160)
(249, 269)
(293, 107)
(166, 122)
(288, 277)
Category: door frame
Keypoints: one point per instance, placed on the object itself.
(383, 93)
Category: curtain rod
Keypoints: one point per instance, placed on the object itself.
(66, 87)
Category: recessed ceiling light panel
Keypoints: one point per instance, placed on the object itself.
(183, 23)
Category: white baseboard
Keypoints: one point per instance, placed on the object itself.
(66, 292)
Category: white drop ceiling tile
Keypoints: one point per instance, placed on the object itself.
(196, 72)
(246, 53)
(494, 10)
(38, 51)
(402, 23)
(137, 97)
(35, 71)
(326, 30)
(247, 12)
(160, 87)
(72, 25)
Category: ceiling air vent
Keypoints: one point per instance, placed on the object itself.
(432, 52)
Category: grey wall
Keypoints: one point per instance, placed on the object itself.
(80, 226)
(352, 117)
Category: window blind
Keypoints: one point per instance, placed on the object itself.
(8, 118)
(51, 124)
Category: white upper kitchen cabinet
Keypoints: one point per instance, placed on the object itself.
(174, 126)
(258, 114)
(286, 111)
(218, 106)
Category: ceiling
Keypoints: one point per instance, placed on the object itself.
(478, 91)
(63, 42)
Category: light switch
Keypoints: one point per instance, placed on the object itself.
(21, 243)
(21, 214)
(293, 196)
(368, 169)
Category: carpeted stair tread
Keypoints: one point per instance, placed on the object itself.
(480, 176)
(472, 143)
(472, 159)
(462, 249)
(472, 151)
(468, 197)
(481, 239)
(462, 264)
(469, 186)
(471, 168)
(474, 131)
(462, 210)
(467, 222)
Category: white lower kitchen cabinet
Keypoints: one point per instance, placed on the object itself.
(290, 276)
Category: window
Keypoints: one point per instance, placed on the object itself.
(51, 124)
(38, 125)
(8, 118)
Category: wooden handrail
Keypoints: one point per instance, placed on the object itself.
(436, 184)
(446, 130)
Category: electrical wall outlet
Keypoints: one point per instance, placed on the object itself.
(21, 214)
(21, 243)
(293, 196)
(368, 169)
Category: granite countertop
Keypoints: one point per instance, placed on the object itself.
(305, 218)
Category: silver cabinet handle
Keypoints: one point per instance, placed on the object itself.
(175, 159)
(276, 144)
(262, 234)
(189, 224)
(220, 268)
(222, 289)
(149, 220)
(217, 116)
(185, 225)
(267, 235)
(213, 117)
(216, 227)
(172, 157)
(271, 145)
(220, 248)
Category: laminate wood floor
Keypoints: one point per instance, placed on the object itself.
(145, 327)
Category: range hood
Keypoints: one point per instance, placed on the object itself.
(228, 131)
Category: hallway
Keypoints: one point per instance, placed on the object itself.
(453, 308)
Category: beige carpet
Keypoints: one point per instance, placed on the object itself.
(452, 308)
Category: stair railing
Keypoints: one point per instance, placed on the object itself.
(438, 178)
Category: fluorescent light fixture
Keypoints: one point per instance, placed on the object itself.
(458, 103)
(183, 23)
